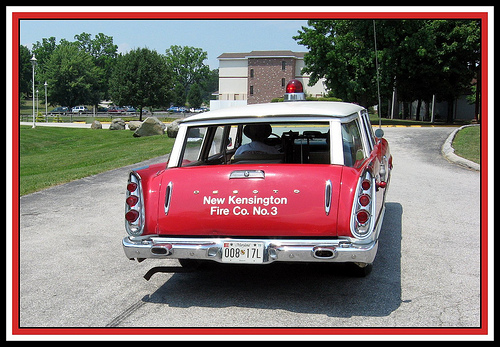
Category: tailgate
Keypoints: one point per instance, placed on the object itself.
(249, 200)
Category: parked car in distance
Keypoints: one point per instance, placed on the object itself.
(79, 109)
(177, 109)
(199, 110)
(59, 110)
(173, 109)
(296, 181)
(129, 109)
(116, 109)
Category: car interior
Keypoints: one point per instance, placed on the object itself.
(299, 143)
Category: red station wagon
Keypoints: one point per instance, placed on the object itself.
(299, 181)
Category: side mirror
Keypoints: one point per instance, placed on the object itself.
(379, 133)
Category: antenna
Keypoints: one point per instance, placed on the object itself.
(379, 109)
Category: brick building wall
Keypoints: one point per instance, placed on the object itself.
(267, 78)
(259, 76)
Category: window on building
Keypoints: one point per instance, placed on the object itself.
(251, 73)
(251, 90)
(283, 82)
(283, 65)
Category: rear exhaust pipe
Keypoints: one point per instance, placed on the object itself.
(324, 252)
(161, 249)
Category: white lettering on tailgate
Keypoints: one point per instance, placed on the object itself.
(208, 200)
(261, 206)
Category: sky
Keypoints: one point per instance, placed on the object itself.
(213, 36)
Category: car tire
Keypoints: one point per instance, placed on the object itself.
(360, 269)
(190, 263)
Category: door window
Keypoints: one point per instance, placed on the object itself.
(352, 142)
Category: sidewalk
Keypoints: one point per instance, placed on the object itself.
(65, 125)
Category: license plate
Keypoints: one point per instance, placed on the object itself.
(243, 252)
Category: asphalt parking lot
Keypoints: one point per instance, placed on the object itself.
(73, 272)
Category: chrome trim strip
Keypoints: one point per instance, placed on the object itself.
(168, 195)
(328, 197)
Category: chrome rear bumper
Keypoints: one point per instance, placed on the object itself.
(289, 250)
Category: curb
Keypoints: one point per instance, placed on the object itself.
(449, 153)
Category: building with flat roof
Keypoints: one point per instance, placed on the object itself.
(260, 76)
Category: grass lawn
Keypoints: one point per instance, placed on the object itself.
(50, 155)
(467, 144)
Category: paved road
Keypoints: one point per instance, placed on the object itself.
(73, 272)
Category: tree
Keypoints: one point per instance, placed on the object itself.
(340, 52)
(194, 96)
(186, 64)
(418, 58)
(72, 76)
(458, 57)
(25, 71)
(140, 78)
(209, 85)
(43, 51)
(100, 47)
(103, 51)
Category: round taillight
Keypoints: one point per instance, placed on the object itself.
(366, 184)
(294, 86)
(362, 217)
(131, 216)
(364, 200)
(132, 200)
(131, 187)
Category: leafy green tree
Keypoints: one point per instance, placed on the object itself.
(177, 94)
(43, 51)
(186, 64)
(418, 58)
(194, 96)
(340, 52)
(100, 47)
(72, 76)
(458, 57)
(25, 71)
(104, 52)
(209, 85)
(140, 78)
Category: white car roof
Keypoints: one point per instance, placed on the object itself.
(281, 109)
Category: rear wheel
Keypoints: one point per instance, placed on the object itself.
(189, 263)
(360, 269)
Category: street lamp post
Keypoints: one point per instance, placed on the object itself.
(46, 115)
(33, 63)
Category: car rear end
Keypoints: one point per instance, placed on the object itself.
(258, 219)
(304, 207)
